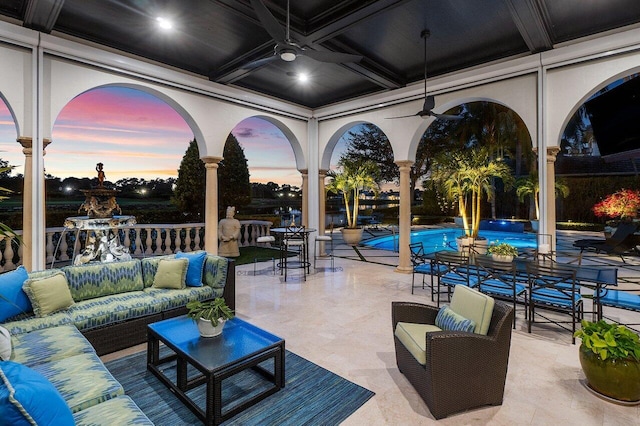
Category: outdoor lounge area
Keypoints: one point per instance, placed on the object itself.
(395, 117)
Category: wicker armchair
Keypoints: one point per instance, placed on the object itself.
(463, 370)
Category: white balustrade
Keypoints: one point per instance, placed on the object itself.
(61, 244)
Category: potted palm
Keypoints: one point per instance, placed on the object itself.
(350, 180)
(209, 315)
(529, 186)
(610, 359)
(466, 176)
(502, 252)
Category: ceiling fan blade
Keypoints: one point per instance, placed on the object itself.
(447, 116)
(270, 23)
(259, 62)
(331, 57)
(405, 116)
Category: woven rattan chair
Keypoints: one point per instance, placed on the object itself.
(462, 370)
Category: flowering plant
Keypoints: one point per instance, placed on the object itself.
(623, 204)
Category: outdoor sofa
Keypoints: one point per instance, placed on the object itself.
(54, 370)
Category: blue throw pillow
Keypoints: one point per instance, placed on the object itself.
(448, 320)
(27, 398)
(196, 265)
(13, 300)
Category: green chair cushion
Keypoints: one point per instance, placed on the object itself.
(28, 323)
(473, 305)
(49, 344)
(102, 279)
(172, 299)
(413, 337)
(149, 266)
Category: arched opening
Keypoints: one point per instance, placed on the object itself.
(275, 182)
(378, 194)
(599, 153)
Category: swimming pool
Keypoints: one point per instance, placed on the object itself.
(445, 239)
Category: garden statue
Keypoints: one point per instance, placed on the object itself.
(228, 234)
(101, 175)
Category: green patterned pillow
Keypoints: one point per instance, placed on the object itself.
(171, 273)
(49, 294)
(448, 320)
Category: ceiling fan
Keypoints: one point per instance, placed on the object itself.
(429, 100)
(286, 48)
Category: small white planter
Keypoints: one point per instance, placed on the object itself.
(502, 257)
(208, 330)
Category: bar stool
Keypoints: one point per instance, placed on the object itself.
(265, 239)
(295, 239)
(318, 255)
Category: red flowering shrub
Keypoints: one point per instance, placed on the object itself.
(623, 204)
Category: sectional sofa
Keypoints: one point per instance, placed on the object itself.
(77, 313)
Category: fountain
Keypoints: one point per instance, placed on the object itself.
(101, 224)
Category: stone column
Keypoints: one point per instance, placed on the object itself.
(550, 194)
(305, 198)
(322, 206)
(211, 204)
(404, 220)
(27, 200)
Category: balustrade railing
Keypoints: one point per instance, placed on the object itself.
(142, 240)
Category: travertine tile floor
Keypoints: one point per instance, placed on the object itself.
(341, 320)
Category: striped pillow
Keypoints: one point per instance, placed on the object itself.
(448, 320)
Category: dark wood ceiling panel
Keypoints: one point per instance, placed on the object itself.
(216, 38)
(328, 82)
(578, 18)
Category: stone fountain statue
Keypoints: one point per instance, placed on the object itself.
(102, 243)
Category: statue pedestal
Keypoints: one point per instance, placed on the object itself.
(104, 245)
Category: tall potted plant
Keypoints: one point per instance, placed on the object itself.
(351, 179)
(610, 359)
(467, 176)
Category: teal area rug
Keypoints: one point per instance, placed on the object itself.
(312, 395)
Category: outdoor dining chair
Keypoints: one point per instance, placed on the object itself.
(423, 266)
(453, 269)
(554, 288)
(501, 281)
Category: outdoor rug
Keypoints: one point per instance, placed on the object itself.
(312, 395)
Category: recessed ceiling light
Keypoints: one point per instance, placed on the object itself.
(164, 23)
(303, 77)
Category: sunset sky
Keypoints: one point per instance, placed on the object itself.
(138, 135)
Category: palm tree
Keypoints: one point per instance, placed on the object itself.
(471, 174)
(5, 231)
(353, 178)
(529, 186)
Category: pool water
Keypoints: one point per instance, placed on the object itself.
(445, 239)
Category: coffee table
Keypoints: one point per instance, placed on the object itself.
(240, 346)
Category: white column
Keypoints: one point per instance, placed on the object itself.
(211, 204)
(404, 220)
(305, 198)
(550, 194)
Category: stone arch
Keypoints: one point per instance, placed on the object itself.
(301, 161)
(197, 132)
(441, 109)
(12, 112)
(588, 94)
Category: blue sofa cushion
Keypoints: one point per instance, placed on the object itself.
(27, 398)
(13, 301)
(195, 268)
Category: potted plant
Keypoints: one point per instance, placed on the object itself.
(502, 252)
(466, 176)
(530, 186)
(351, 179)
(209, 315)
(610, 359)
